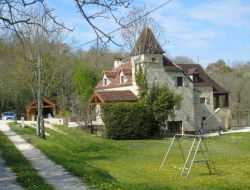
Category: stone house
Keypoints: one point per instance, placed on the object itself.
(205, 103)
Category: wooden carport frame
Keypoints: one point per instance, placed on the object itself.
(32, 107)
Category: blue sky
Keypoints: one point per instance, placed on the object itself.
(210, 29)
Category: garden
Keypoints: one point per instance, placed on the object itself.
(134, 164)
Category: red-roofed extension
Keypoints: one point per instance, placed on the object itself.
(114, 77)
(113, 96)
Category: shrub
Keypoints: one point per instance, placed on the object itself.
(128, 121)
(142, 119)
(162, 102)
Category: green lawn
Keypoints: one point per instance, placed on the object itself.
(134, 164)
(27, 177)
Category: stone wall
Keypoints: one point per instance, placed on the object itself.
(191, 111)
(220, 120)
(206, 109)
(156, 74)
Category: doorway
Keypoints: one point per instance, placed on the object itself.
(174, 127)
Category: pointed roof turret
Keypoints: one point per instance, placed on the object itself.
(147, 43)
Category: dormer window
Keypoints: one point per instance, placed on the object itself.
(105, 82)
(195, 78)
(194, 74)
(122, 79)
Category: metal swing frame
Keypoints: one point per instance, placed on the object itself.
(198, 146)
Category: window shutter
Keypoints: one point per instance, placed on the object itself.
(175, 81)
(185, 82)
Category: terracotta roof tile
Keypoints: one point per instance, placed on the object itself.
(115, 79)
(126, 65)
(110, 74)
(127, 71)
(117, 96)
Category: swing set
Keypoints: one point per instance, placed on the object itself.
(198, 153)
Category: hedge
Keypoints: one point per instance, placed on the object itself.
(128, 121)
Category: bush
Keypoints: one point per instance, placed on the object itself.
(128, 121)
(161, 101)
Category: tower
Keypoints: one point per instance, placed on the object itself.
(148, 53)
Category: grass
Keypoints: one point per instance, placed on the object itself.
(27, 177)
(134, 164)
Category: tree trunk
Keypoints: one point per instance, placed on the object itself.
(40, 89)
(39, 99)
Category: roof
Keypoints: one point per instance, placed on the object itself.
(126, 68)
(169, 65)
(125, 65)
(217, 88)
(46, 102)
(204, 79)
(117, 96)
(110, 74)
(193, 71)
(126, 71)
(147, 43)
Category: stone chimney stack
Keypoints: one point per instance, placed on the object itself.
(117, 62)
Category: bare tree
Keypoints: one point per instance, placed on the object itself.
(15, 15)
(34, 25)
(80, 112)
(182, 60)
(18, 14)
(37, 66)
(238, 86)
(104, 10)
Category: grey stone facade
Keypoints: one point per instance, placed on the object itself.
(199, 107)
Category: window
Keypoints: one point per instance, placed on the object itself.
(202, 100)
(174, 127)
(208, 100)
(105, 82)
(195, 78)
(179, 81)
(122, 79)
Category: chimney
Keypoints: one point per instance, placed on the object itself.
(117, 62)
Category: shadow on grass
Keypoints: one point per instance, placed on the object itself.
(74, 152)
(26, 175)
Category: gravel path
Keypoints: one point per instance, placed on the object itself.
(7, 178)
(54, 174)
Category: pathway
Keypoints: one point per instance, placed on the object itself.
(54, 174)
(7, 178)
(234, 130)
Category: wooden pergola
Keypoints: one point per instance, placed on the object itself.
(49, 107)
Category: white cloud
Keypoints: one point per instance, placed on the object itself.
(184, 33)
(223, 12)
